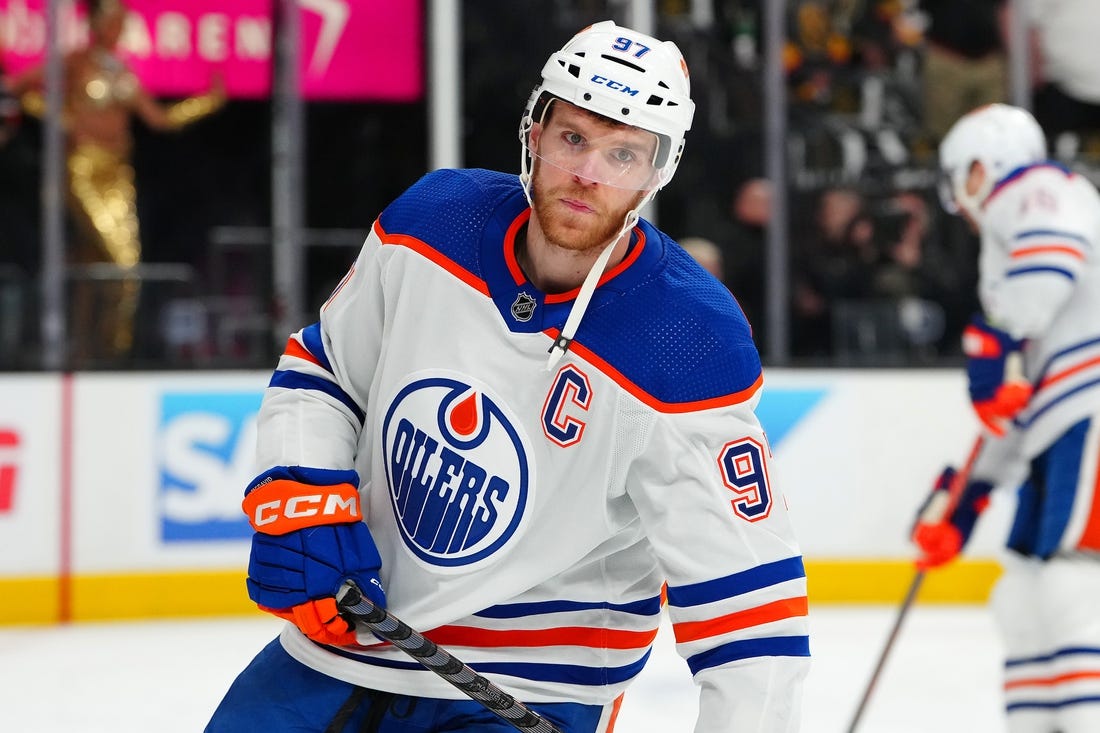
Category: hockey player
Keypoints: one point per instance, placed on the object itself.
(545, 407)
(1039, 288)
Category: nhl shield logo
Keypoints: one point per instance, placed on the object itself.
(523, 307)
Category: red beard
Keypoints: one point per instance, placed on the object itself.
(576, 231)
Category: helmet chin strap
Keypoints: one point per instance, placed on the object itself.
(588, 287)
(525, 163)
(591, 280)
(972, 205)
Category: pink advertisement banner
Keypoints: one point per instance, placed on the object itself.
(368, 50)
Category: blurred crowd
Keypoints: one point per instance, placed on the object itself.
(879, 275)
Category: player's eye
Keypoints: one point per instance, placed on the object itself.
(623, 155)
(573, 138)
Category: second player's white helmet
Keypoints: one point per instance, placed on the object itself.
(1000, 137)
(623, 75)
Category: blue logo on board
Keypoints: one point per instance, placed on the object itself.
(780, 409)
(205, 449)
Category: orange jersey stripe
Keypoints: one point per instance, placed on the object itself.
(1051, 681)
(428, 251)
(1059, 376)
(1048, 249)
(626, 262)
(469, 636)
(478, 284)
(1090, 535)
(616, 706)
(774, 611)
(667, 407)
(510, 246)
(295, 349)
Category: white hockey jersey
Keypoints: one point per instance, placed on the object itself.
(1039, 280)
(527, 519)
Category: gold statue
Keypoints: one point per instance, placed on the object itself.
(101, 94)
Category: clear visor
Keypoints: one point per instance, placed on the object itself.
(623, 157)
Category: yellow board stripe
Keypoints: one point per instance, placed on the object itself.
(222, 593)
(126, 596)
(886, 581)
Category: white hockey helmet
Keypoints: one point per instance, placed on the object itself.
(625, 76)
(1000, 137)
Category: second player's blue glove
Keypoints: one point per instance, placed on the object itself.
(941, 532)
(998, 390)
(310, 538)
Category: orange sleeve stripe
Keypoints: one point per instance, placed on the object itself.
(282, 506)
(564, 636)
(774, 611)
(1051, 681)
(1048, 249)
(295, 349)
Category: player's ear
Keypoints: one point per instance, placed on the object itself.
(976, 178)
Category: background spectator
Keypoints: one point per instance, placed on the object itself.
(1066, 66)
(746, 271)
(836, 260)
(706, 253)
(964, 60)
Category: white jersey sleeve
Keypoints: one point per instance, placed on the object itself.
(706, 475)
(1039, 280)
(314, 406)
(1036, 244)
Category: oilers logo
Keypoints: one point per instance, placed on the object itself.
(458, 472)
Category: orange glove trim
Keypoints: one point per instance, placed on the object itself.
(940, 543)
(319, 620)
(283, 506)
(1009, 400)
(978, 344)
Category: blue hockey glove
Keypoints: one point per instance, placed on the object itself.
(998, 389)
(941, 535)
(310, 538)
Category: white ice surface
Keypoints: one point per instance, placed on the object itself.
(942, 676)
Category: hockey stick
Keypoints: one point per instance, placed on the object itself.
(384, 624)
(954, 494)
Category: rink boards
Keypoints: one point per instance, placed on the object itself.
(120, 493)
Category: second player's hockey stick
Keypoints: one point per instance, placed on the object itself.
(954, 494)
(385, 625)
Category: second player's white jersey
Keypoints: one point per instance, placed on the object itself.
(1040, 280)
(528, 518)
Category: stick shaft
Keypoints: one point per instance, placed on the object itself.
(958, 485)
(384, 624)
(910, 596)
(962, 477)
